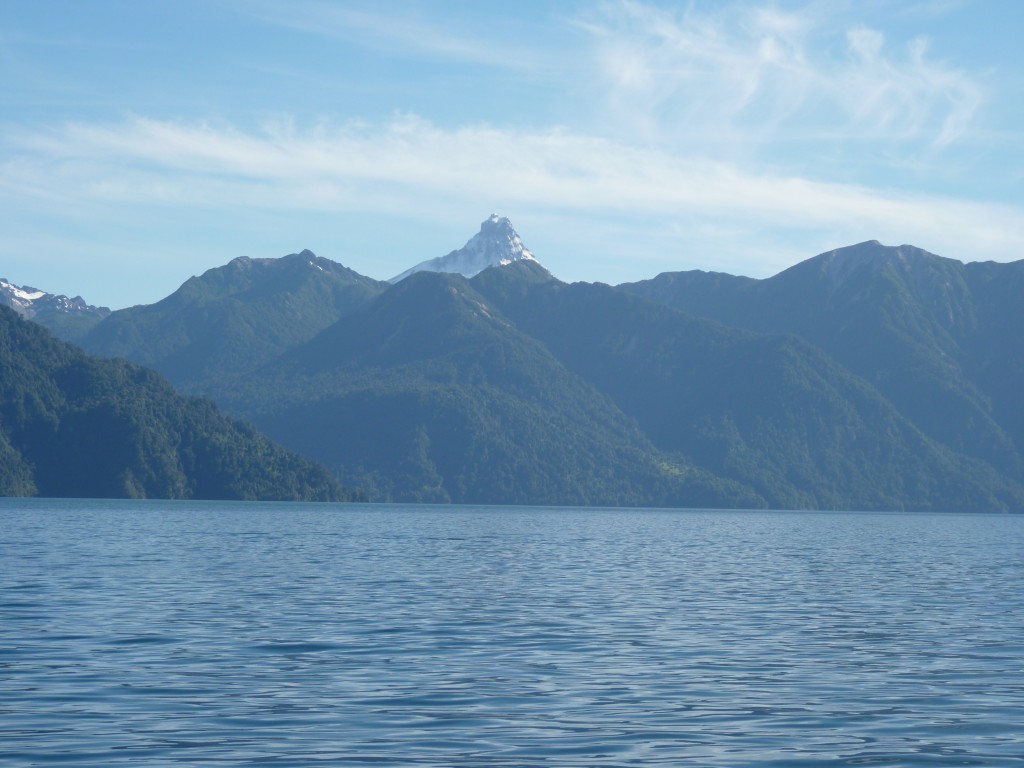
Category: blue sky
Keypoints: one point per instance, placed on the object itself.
(144, 142)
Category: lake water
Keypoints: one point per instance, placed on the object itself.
(160, 633)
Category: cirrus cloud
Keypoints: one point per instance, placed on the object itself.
(401, 164)
(753, 72)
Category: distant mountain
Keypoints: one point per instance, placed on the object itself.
(69, 318)
(772, 413)
(496, 244)
(75, 426)
(940, 339)
(234, 318)
(430, 394)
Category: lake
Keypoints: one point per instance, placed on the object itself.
(232, 634)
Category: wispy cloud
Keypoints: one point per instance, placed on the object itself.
(627, 136)
(759, 72)
(397, 30)
(402, 164)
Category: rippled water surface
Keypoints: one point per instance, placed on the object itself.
(162, 633)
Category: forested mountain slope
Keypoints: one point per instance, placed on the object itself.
(940, 339)
(72, 425)
(233, 318)
(430, 394)
(769, 411)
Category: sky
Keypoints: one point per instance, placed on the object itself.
(145, 142)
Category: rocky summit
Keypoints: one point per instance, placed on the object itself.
(496, 244)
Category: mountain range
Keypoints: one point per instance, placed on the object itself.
(868, 377)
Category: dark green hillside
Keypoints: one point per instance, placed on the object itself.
(430, 394)
(993, 350)
(234, 318)
(75, 426)
(773, 413)
(67, 326)
(911, 323)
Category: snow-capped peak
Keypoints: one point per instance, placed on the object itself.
(28, 302)
(20, 293)
(496, 244)
(19, 298)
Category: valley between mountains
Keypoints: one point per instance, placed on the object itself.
(867, 378)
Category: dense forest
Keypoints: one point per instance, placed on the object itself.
(76, 426)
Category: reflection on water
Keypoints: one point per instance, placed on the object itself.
(162, 633)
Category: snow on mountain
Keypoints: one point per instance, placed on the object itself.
(30, 302)
(496, 244)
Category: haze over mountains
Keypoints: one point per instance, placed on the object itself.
(866, 378)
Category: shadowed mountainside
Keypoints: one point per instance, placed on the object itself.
(75, 426)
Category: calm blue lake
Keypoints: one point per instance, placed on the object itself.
(157, 633)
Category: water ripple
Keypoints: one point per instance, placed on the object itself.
(167, 634)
